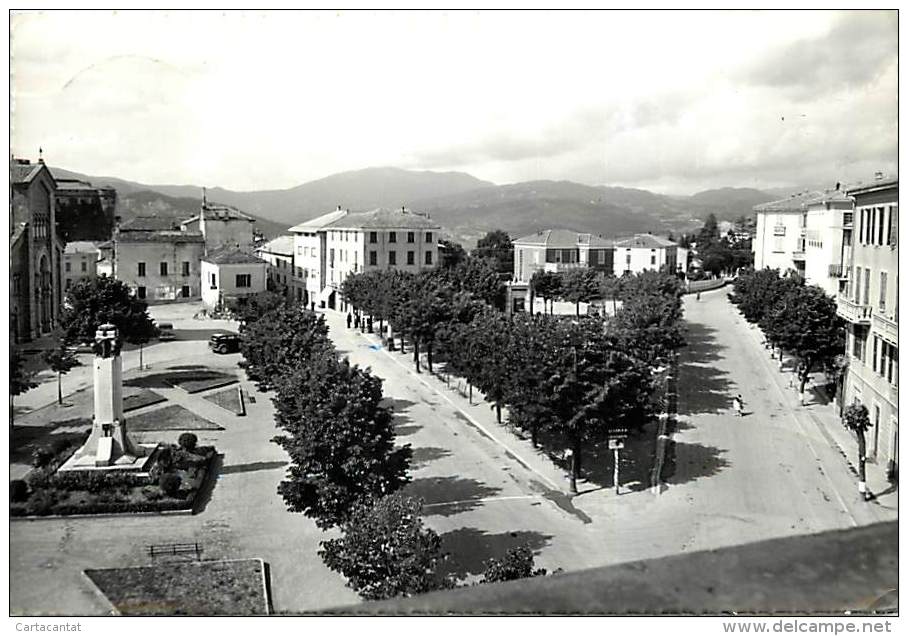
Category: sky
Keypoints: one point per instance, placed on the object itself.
(674, 102)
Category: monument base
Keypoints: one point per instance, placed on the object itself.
(84, 459)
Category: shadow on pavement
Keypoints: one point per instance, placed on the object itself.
(704, 389)
(24, 439)
(203, 497)
(469, 549)
(686, 462)
(251, 467)
(423, 456)
(448, 496)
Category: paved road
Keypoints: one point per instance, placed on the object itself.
(729, 481)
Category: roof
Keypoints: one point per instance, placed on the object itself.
(231, 255)
(222, 213)
(75, 184)
(382, 218)
(23, 170)
(160, 236)
(792, 575)
(793, 203)
(563, 238)
(279, 245)
(81, 247)
(313, 225)
(647, 241)
(150, 224)
(880, 183)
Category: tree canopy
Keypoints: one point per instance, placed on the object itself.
(496, 246)
(91, 302)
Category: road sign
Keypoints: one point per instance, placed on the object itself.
(615, 444)
(617, 433)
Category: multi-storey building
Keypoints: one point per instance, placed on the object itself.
(222, 225)
(84, 212)
(647, 252)
(156, 258)
(36, 251)
(777, 242)
(284, 270)
(869, 305)
(338, 244)
(80, 260)
(230, 274)
(560, 250)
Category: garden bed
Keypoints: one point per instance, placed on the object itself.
(145, 397)
(228, 399)
(170, 418)
(202, 380)
(104, 492)
(200, 588)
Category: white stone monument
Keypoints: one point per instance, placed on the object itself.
(109, 447)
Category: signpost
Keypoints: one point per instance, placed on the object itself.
(616, 437)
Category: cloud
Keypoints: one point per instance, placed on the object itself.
(854, 52)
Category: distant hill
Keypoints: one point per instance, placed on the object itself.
(465, 206)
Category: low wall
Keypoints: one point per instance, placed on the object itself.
(704, 285)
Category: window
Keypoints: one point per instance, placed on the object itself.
(184, 291)
(373, 258)
(411, 258)
(69, 282)
(163, 268)
(628, 257)
(893, 238)
(428, 258)
(652, 259)
(876, 342)
(883, 282)
(331, 257)
(141, 269)
(867, 286)
(84, 266)
(140, 292)
(299, 250)
(392, 237)
(857, 348)
(411, 237)
(392, 258)
(68, 267)
(882, 227)
(243, 280)
(214, 280)
(185, 268)
(373, 237)
(428, 237)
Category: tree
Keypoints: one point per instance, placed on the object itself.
(386, 552)
(91, 302)
(709, 233)
(281, 341)
(579, 285)
(804, 322)
(478, 277)
(339, 438)
(516, 564)
(857, 420)
(450, 253)
(60, 359)
(497, 247)
(21, 380)
(489, 335)
(254, 307)
(547, 285)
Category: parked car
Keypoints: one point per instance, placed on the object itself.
(165, 331)
(224, 343)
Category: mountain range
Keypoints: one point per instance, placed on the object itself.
(465, 206)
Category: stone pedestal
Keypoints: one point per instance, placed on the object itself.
(109, 447)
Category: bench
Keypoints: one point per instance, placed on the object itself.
(174, 549)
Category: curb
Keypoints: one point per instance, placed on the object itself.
(106, 515)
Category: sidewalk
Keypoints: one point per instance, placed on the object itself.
(826, 420)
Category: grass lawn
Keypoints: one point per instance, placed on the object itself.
(144, 397)
(185, 589)
(196, 381)
(170, 418)
(226, 399)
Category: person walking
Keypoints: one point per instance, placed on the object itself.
(738, 404)
(698, 296)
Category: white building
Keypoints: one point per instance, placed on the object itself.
(80, 260)
(222, 225)
(230, 274)
(340, 243)
(826, 240)
(777, 243)
(284, 269)
(644, 252)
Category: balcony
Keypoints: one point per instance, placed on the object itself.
(887, 328)
(562, 267)
(854, 312)
(838, 271)
(798, 256)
